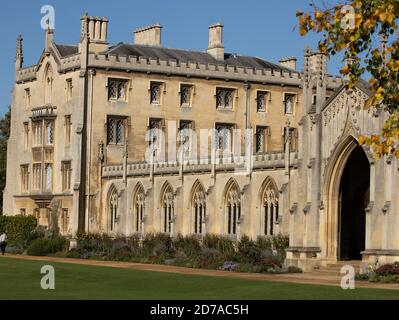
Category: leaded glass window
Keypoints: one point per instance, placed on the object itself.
(37, 133)
(185, 95)
(261, 139)
(261, 101)
(49, 133)
(37, 170)
(48, 177)
(224, 137)
(224, 98)
(155, 92)
(289, 103)
(116, 89)
(116, 127)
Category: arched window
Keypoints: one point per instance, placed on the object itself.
(113, 209)
(48, 85)
(270, 207)
(139, 208)
(167, 208)
(233, 207)
(199, 208)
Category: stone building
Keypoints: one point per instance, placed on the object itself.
(109, 138)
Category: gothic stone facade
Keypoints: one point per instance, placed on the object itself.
(77, 150)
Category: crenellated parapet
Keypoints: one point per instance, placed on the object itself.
(193, 69)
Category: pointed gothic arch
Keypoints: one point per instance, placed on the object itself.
(269, 206)
(232, 202)
(167, 207)
(138, 208)
(198, 207)
(332, 183)
(113, 208)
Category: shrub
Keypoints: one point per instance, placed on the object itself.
(224, 244)
(264, 242)
(248, 251)
(189, 246)
(44, 246)
(294, 269)
(18, 227)
(158, 244)
(94, 243)
(388, 269)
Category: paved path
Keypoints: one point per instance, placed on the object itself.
(322, 277)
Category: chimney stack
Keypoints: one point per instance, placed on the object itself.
(149, 35)
(289, 62)
(215, 45)
(97, 29)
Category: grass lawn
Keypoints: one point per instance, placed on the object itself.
(20, 279)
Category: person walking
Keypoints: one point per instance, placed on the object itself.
(3, 243)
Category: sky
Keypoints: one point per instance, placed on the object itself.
(263, 28)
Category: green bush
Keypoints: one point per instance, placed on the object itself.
(44, 246)
(222, 243)
(157, 245)
(248, 251)
(188, 246)
(18, 227)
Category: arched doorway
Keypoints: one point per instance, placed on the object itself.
(352, 202)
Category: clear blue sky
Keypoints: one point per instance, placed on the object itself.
(261, 28)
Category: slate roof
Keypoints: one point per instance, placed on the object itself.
(183, 56)
(66, 50)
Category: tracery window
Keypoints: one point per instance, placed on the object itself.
(139, 209)
(113, 209)
(233, 208)
(168, 209)
(199, 209)
(271, 209)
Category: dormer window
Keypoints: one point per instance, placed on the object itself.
(117, 89)
(224, 98)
